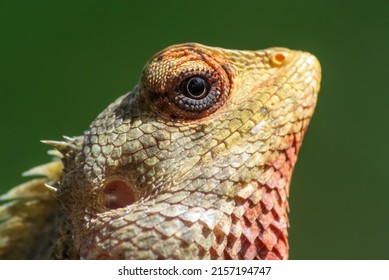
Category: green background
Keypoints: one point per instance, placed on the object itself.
(62, 62)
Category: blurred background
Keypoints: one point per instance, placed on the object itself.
(62, 62)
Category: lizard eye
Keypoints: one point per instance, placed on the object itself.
(195, 88)
(196, 93)
(186, 83)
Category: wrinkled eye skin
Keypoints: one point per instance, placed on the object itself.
(193, 85)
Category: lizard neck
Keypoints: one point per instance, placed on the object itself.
(259, 225)
(251, 225)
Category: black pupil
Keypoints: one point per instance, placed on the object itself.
(196, 87)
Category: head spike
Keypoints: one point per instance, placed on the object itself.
(52, 188)
(61, 146)
(55, 153)
(52, 170)
(68, 139)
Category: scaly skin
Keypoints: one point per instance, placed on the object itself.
(158, 177)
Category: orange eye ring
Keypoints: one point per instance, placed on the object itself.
(194, 85)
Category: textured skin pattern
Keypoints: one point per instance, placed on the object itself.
(152, 179)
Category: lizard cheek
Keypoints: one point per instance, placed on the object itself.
(118, 194)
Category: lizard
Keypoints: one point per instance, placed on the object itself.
(194, 163)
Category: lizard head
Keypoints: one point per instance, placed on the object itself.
(196, 161)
